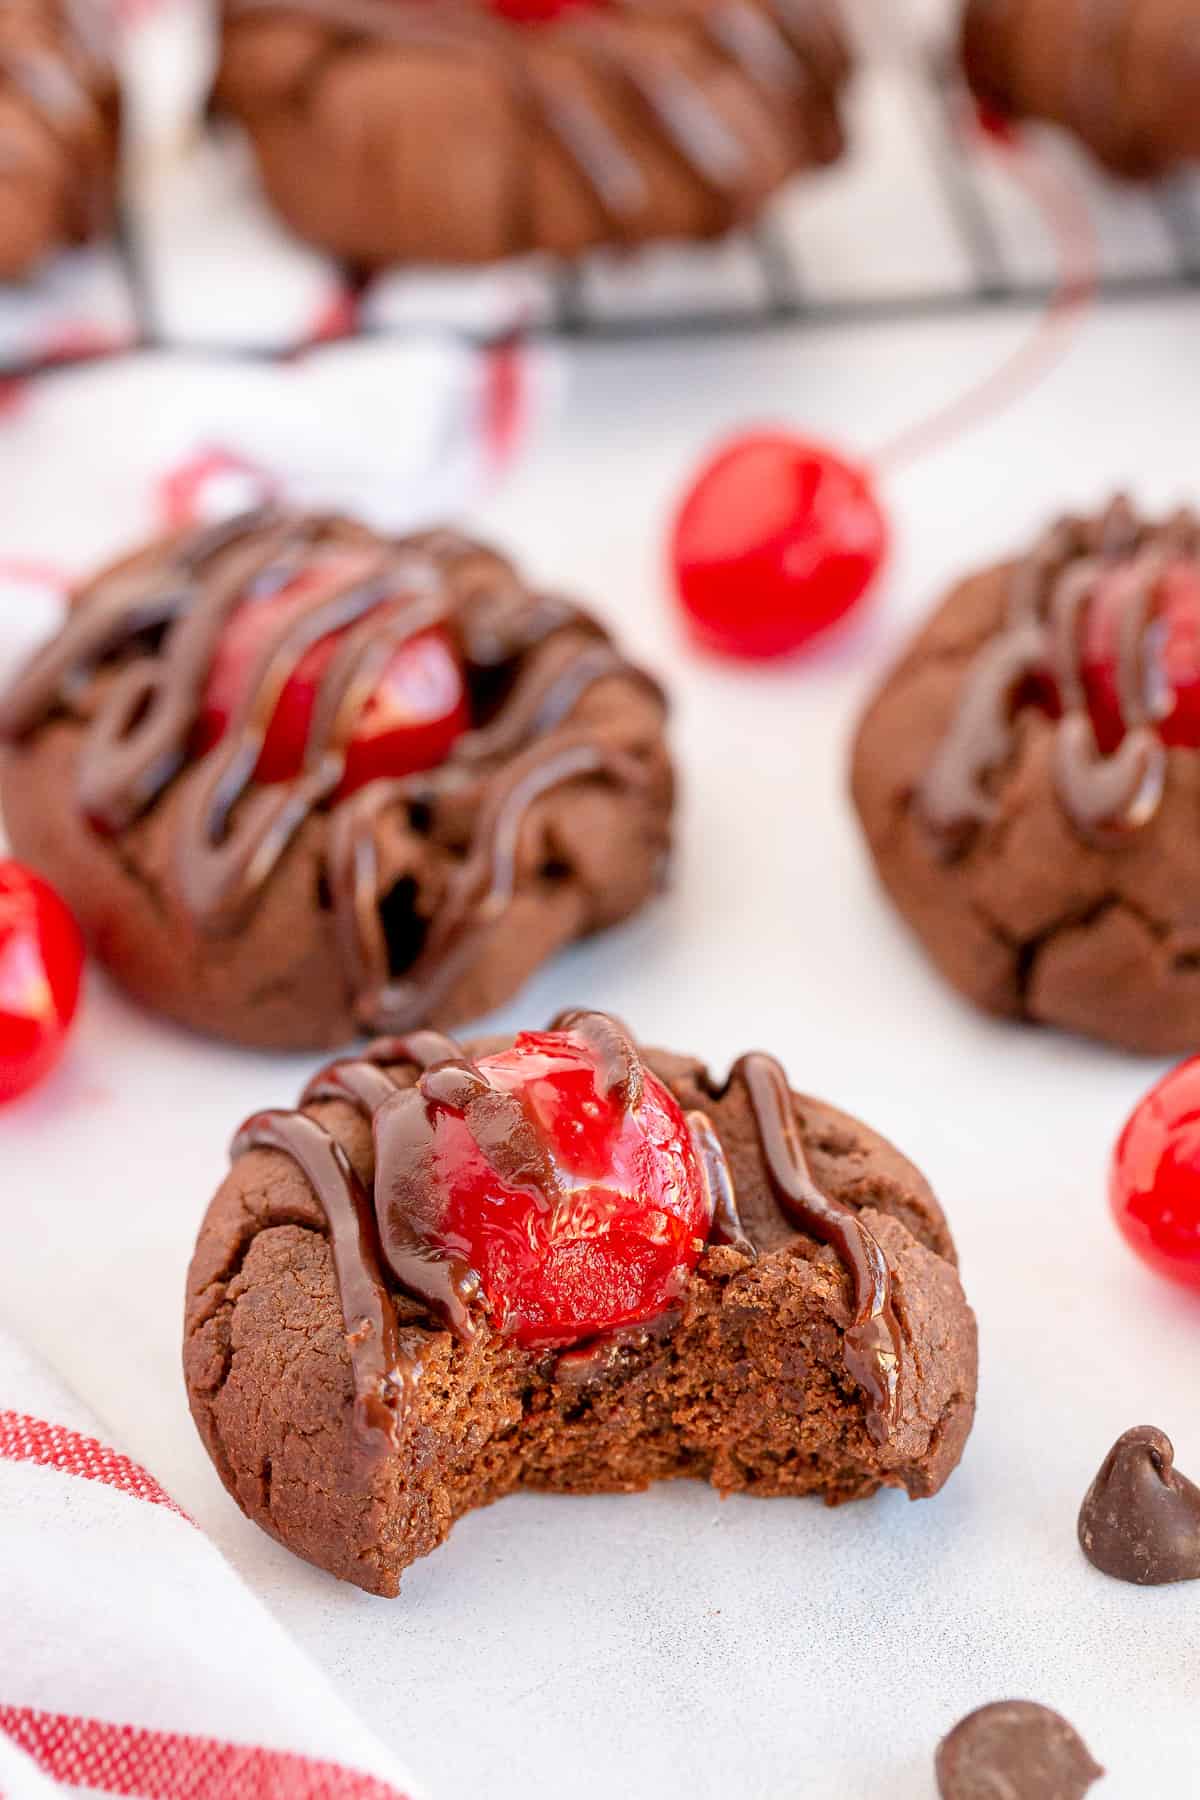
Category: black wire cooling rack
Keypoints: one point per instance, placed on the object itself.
(918, 219)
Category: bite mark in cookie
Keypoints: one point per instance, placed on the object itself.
(663, 1276)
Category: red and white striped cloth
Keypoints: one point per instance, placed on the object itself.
(133, 1661)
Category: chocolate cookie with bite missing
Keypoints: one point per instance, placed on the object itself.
(1029, 777)
(563, 1262)
(1121, 74)
(299, 781)
(59, 114)
(463, 131)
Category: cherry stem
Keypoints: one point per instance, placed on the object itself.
(1070, 225)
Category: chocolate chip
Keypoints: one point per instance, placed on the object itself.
(1140, 1519)
(1014, 1750)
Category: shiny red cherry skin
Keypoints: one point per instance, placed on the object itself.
(1154, 1181)
(1174, 647)
(776, 540)
(41, 965)
(628, 1221)
(416, 712)
(539, 12)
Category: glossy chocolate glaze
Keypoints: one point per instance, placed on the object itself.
(727, 1227)
(872, 1342)
(377, 1239)
(485, 882)
(1105, 797)
(134, 658)
(619, 1069)
(785, 49)
(385, 1374)
(383, 1377)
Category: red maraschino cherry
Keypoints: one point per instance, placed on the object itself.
(41, 963)
(776, 540)
(624, 1221)
(410, 722)
(1154, 1181)
(1173, 646)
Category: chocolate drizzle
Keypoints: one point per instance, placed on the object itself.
(383, 1378)
(133, 661)
(621, 1077)
(785, 50)
(484, 883)
(1105, 796)
(872, 1340)
(727, 1227)
(379, 1238)
(384, 1374)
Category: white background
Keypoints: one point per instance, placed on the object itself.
(672, 1645)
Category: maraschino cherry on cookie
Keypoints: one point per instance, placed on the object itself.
(404, 716)
(1171, 652)
(555, 1181)
(570, 1263)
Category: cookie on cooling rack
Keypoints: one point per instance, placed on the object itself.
(58, 129)
(1029, 782)
(1122, 75)
(463, 131)
(299, 781)
(564, 1262)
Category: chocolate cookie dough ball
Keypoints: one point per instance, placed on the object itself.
(462, 131)
(58, 129)
(299, 781)
(1029, 780)
(563, 1262)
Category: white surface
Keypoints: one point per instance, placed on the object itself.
(670, 1645)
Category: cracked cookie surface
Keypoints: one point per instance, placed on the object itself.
(744, 1384)
(1027, 915)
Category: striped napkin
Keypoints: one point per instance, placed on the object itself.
(133, 1660)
